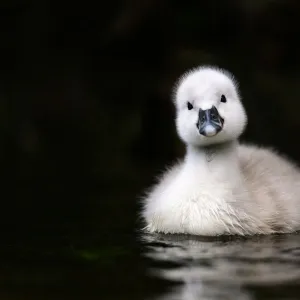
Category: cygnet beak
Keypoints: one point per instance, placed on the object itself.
(210, 122)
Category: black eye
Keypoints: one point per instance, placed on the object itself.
(223, 99)
(189, 106)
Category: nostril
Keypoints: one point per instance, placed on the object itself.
(213, 116)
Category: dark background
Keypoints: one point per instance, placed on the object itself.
(86, 118)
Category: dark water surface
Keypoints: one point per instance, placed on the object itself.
(141, 266)
(231, 268)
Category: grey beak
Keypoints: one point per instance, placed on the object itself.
(210, 122)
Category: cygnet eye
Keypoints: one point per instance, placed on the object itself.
(189, 106)
(223, 99)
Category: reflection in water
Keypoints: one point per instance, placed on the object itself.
(227, 268)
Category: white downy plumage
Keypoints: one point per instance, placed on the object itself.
(221, 187)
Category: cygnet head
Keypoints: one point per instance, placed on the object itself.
(209, 110)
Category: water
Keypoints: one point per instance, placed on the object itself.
(229, 268)
(116, 264)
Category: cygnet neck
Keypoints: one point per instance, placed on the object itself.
(218, 158)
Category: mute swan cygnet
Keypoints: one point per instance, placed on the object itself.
(221, 187)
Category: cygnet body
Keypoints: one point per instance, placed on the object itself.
(221, 187)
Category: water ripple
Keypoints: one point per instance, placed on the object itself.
(226, 268)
